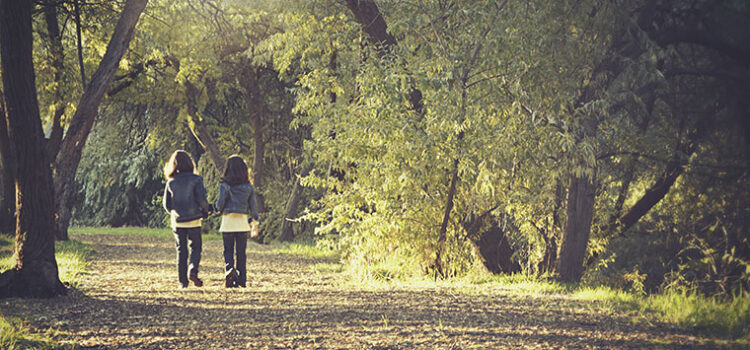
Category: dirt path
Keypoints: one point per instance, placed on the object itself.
(130, 300)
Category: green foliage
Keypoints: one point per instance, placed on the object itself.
(120, 173)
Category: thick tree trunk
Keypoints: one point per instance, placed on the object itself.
(575, 239)
(56, 57)
(7, 158)
(199, 129)
(83, 120)
(35, 273)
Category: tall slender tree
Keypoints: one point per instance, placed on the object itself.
(83, 120)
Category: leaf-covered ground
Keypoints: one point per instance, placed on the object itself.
(130, 299)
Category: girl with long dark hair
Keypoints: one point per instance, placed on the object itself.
(185, 201)
(238, 207)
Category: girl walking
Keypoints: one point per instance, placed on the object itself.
(185, 201)
(238, 207)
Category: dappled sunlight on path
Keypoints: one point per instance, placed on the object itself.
(130, 299)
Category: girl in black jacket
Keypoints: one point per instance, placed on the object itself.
(185, 201)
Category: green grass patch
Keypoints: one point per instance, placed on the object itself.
(132, 230)
(305, 248)
(714, 315)
(71, 258)
(16, 336)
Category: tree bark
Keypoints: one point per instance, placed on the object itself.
(257, 109)
(367, 15)
(84, 117)
(551, 238)
(7, 158)
(287, 227)
(35, 273)
(57, 57)
(79, 42)
(581, 192)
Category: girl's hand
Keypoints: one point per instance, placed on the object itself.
(254, 229)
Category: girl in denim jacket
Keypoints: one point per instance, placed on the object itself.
(185, 201)
(238, 207)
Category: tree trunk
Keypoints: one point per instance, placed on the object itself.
(7, 158)
(199, 129)
(575, 239)
(83, 120)
(257, 107)
(551, 238)
(287, 227)
(57, 57)
(35, 273)
(79, 42)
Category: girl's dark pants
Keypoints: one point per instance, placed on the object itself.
(184, 238)
(236, 240)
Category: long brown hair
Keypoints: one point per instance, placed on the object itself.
(236, 171)
(179, 162)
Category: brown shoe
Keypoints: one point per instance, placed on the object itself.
(197, 281)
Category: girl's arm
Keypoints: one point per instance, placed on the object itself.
(200, 194)
(221, 202)
(253, 204)
(167, 199)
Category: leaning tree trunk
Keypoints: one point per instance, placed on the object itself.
(8, 203)
(199, 130)
(83, 120)
(35, 273)
(575, 239)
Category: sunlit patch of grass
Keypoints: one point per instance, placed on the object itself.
(306, 249)
(132, 230)
(687, 310)
(327, 267)
(12, 337)
(71, 258)
(693, 310)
